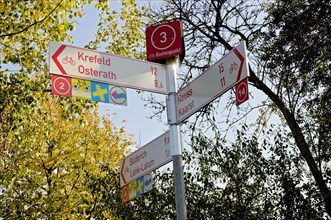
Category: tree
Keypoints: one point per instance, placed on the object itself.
(52, 148)
(235, 180)
(290, 64)
(53, 155)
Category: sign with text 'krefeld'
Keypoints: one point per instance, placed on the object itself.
(91, 65)
(146, 159)
(218, 79)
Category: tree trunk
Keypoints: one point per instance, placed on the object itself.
(299, 139)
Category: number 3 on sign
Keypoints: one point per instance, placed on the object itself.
(163, 37)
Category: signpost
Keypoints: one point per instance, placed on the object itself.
(146, 159)
(219, 78)
(86, 73)
(106, 68)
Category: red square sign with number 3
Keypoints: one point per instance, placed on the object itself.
(164, 40)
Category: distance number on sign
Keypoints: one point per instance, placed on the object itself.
(157, 84)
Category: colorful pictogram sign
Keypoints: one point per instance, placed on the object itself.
(81, 88)
(100, 92)
(118, 95)
(95, 91)
(137, 188)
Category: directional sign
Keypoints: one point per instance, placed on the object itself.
(218, 79)
(146, 159)
(91, 65)
(164, 40)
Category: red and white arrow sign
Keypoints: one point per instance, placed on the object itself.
(91, 65)
(146, 159)
(218, 79)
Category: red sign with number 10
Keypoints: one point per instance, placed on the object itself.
(164, 40)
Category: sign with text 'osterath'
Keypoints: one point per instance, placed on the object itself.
(81, 63)
(95, 91)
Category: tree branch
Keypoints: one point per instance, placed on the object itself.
(33, 24)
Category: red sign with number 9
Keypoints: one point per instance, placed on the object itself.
(164, 40)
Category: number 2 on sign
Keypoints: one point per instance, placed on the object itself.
(154, 71)
(61, 85)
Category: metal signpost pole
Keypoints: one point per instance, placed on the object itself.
(175, 138)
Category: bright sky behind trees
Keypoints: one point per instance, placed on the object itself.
(135, 114)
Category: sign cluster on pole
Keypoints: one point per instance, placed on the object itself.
(89, 74)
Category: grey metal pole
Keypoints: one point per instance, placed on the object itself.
(172, 65)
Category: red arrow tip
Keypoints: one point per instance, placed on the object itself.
(242, 59)
(114, 94)
(122, 175)
(54, 57)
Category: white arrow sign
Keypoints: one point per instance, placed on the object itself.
(107, 68)
(146, 159)
(218, 79)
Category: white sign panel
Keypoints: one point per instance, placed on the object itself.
(146, 159)
(218, 79)
(107, 68)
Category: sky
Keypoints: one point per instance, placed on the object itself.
(135, 115)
